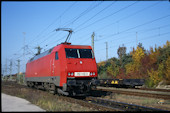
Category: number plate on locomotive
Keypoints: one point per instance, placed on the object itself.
(82, 73)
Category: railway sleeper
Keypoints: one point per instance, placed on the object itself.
(122, 105)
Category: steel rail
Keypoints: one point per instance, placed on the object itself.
(76, 100)
(135, 93)
(120, 105)
(150, 89)
(97, 103)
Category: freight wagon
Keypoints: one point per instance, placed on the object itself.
(121, 82)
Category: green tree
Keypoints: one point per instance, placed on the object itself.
(167, 70)
(113, 69)
(133, 68)
(127, 58)
(156, 75)
(121, 51)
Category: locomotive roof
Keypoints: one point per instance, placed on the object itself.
(41, 55)
(75, 46)
(50, 50)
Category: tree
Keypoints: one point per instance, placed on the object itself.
(127, 58)
(156, 75)
(100, 66)
(130, 68)
(152, 65)
(159, 65)
(113, 69)
(138, 55)
(167, 71)
(140, 46)
(133, 68)
(121, 51)
(163, 54)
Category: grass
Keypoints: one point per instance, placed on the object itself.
(51, 102)
(143, 101)
(44, 99)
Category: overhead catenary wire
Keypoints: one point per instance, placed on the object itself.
(137, 12)
(48, 38)
(73, 20)
(108, 16)
(149, 22)
(56, 41)
(47, 28)
(130, 15)
(36, 38)
(86, 11)
(146, 38)
(83, 13)
(139, 31)
(105, 18)
(96, 14)
(54, 21)
(76, 18)
(59, 39)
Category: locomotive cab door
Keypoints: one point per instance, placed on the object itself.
(57, 65)
(52, 67)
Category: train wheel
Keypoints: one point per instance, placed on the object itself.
(46, 86)
(28, 84)
(52, 89)
(36, 85)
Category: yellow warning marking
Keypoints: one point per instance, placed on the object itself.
(113, 82)
(116, 82)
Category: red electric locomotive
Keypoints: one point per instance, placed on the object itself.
(66, 69)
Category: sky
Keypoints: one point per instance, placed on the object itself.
(29, 24)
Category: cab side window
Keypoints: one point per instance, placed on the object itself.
(56, 55)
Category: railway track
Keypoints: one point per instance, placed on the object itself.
(12, 85)
(87, 103)
(150, 94)
(107, 105)
(149, 89)
(120, 106)
(92, 102)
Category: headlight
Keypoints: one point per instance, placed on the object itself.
(68, 74)
(93, 73)
(72, 74)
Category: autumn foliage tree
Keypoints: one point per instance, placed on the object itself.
(133, 68)
(152, 65)
(167, 70)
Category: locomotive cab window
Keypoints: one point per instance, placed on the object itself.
(79, 53)
(85, 53)
(56, 55)
(71, 53)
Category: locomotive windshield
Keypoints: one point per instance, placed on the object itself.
(85, 53)
(78, 53)
(71, 53)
